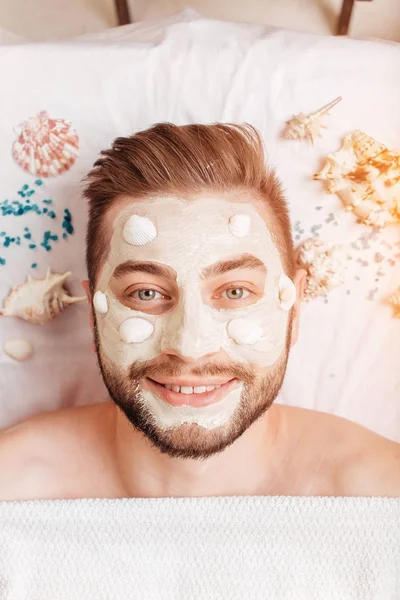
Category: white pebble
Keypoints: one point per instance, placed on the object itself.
(244, 331)
(239, 225)
(100, 302)
(139, 231)
(135, 330)
(18, 349)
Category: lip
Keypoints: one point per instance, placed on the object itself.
(193, 400)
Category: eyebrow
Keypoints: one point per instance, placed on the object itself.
(246, 261)
(150, 268)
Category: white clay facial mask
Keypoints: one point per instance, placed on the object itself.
(180, 306)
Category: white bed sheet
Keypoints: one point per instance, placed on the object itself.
(188, 69)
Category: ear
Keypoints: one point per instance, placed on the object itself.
(86, 287)
(300, 282)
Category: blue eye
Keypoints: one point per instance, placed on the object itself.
(236, 293)
(147, 295)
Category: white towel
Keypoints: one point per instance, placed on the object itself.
(245, 548)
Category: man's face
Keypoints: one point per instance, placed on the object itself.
(192, 320)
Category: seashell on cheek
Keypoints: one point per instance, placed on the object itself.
(286, 293)
(100, 302)
(135, 330)
(244, 331)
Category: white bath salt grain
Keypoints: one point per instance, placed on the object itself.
(100, 302)
(135, 330)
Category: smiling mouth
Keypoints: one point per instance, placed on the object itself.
(185, 395)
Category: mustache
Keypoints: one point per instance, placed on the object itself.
(171, 368)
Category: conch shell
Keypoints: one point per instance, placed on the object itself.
(45, 147)
(39, 300)
(308, 126)
(324, 264)
(366, 177)
(394, 300)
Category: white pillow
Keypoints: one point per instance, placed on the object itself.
(185, 70)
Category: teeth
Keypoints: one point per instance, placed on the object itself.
(186, 390)
(199, 389)
(183, 389)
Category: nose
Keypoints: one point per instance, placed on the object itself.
(190, 332)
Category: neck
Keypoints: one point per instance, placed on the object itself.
(247, 467)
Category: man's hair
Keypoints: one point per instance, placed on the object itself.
(183, 161)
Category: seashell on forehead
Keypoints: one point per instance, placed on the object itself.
(139, 231)
(239, 225)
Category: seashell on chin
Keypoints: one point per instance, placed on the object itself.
(366, 177)
(18, 349)
(45, 147)
(39, 300)
(139, 231)
(308, 126)
(324, 264)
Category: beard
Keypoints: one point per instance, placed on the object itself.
(188, 440)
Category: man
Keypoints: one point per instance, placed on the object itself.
(195, 303)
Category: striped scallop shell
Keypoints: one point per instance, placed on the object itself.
(45, 147)
(139, 231)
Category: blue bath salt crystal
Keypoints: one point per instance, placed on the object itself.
(47, 201)
(25, 187)
(2, 261)
(31, 192)
(32, 246)
(52, 214)
(45, 210)
(2, 233)
(34, 265)
(7, 242)
(38, 182)
(65, 236)
(28, 236)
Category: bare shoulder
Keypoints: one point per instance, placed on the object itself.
(358, 461)
(38, 455)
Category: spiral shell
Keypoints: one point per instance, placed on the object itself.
(139, 231)
(308, 126)
(366, 177)
(324, 264)
(39, 300)
(394, 300)
(45, 147)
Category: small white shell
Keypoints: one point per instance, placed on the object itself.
(139, 231)
(100, 302)
(244, 331)
(239, 225)
(135, 330)
(286, 292)
(18, 349)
